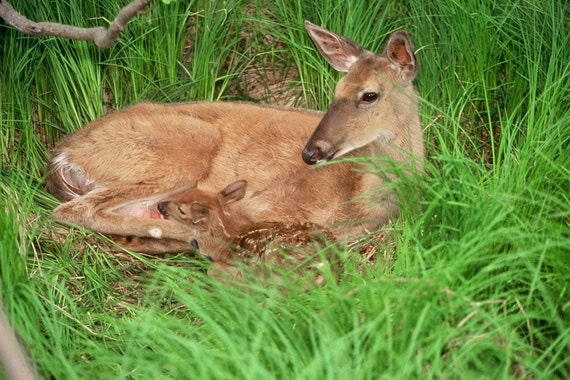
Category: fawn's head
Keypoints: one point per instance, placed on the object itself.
(374, 101)
(203, 210)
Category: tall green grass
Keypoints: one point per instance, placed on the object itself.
(477, 285)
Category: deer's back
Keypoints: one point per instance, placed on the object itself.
(178, 145)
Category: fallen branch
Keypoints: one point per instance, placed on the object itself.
(12, 355)
(103, 38)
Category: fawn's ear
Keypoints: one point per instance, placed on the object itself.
(338, 50)
(234, 191)
(198, 212)
(400, 53)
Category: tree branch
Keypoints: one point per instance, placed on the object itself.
(103, 38)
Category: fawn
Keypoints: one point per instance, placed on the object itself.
(230, 239)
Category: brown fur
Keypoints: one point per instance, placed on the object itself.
(112, 173)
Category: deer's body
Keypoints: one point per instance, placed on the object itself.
(112, 173)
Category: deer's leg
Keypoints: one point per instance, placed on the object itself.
(153, 246)
(222, 270)
(99, 211)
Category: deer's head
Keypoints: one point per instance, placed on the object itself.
(373, 101)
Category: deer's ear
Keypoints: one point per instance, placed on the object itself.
(234, 191)
(199, 212)
(75, 180)
(400, 53)
(338, 50)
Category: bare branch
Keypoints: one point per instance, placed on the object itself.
(103, 38)
(12, 355)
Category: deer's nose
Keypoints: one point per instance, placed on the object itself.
(311, 155)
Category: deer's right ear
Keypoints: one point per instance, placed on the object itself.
(338, 50)
(75, 180)
(234, 191)
(198, 212)
(400, 53)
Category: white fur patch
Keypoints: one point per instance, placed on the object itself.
(155, 233)
(386, 135)
(60, 160)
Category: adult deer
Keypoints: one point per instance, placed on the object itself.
(112, 173)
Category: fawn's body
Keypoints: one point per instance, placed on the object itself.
(234, 243)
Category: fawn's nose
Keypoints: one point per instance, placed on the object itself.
(162, 208)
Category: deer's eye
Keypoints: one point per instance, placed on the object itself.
(181, 212)
(369, 97)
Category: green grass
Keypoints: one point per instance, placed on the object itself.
(478, 285)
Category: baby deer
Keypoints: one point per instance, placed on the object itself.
(232, 241)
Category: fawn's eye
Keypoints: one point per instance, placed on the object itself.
(369, 97)
(181, 211)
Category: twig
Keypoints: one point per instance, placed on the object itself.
(12, 355)
(103, 38)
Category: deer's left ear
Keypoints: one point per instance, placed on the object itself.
(199, 212)
(400, 53)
